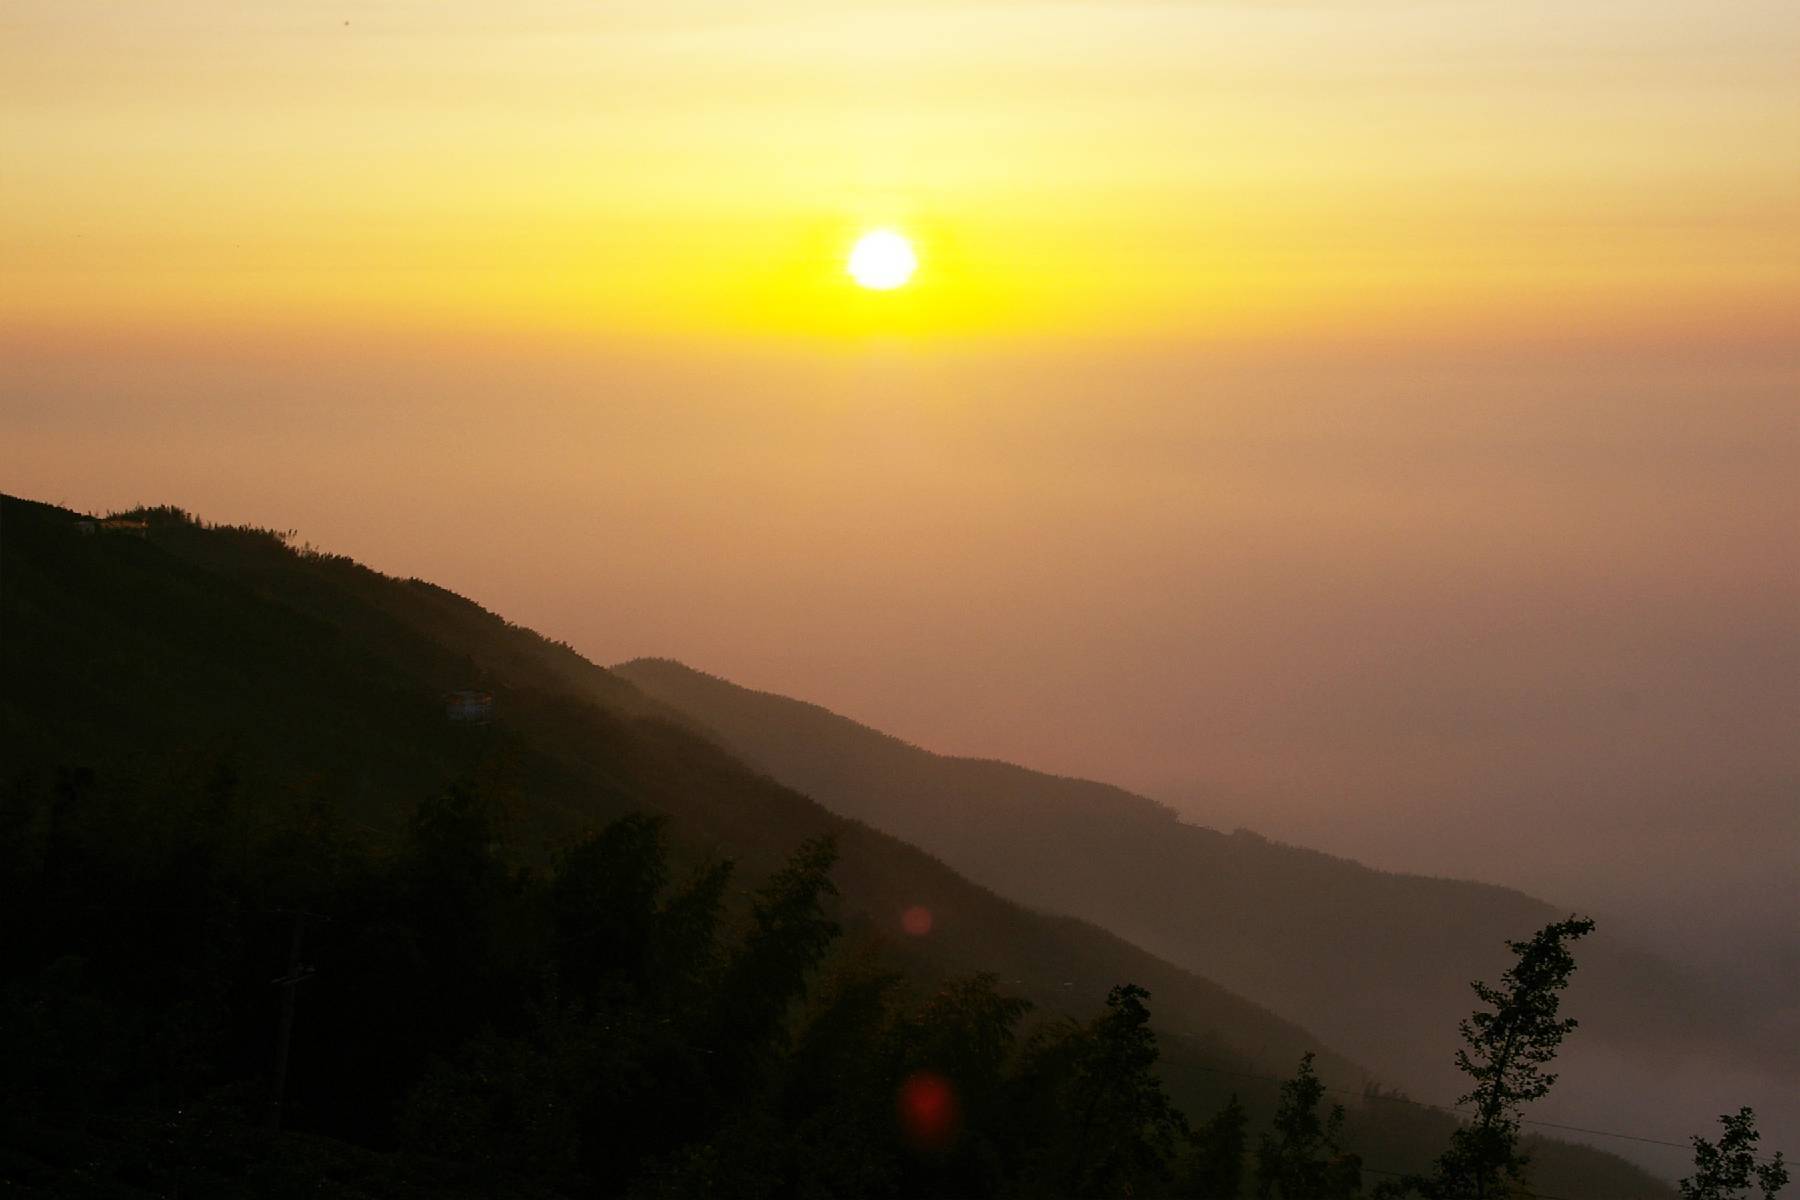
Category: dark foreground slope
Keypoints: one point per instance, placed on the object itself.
(151, 657)
(1272, 921)
(175, 686)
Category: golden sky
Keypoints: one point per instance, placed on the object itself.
(1371, 422)
(1348, 418)
(698, 170)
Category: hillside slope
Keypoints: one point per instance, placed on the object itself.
(1377, 962)
(145, 656)
(159, 658)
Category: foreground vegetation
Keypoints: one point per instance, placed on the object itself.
(593, 1028)
(577, 951)
(447, 1021)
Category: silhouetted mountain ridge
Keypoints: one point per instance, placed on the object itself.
(153, 668)
(1269, 919)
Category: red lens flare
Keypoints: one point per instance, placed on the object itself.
(916, 920)
(928, 1110)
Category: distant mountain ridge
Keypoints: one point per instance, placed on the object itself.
(157, 660)
(1369, 958)
(316, 674)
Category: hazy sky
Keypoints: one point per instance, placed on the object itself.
(1183, 169)
(1373, 423)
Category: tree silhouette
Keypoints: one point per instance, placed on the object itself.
(1726, 1169)
(1506, 1047)
(1302, 1157)
(789, 934)
(1217, 1169)
(1126, 1128)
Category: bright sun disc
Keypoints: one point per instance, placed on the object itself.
(882, 260)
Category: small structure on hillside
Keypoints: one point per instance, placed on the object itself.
(469, 707)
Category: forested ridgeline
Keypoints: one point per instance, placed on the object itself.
(188, 970)
(566, 947)
(1265, 919)
(604, 1025)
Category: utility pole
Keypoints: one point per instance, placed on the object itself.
(284, 1034)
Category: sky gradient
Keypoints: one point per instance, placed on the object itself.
(697, 170)
(1370, 423)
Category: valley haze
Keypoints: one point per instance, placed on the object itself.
(1267, 503)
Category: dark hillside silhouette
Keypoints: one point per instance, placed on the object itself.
(232, 775)
(1269, 920)
(324, 682)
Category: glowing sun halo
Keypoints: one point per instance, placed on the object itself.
(882, 260)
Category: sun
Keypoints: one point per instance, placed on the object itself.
(882, 260)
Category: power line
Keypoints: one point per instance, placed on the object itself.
(1536, 1195)
(1449, 1108)
(1630, 1137)
(1428, 1104)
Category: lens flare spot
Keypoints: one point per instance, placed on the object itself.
(928, 1110)
(916, 920)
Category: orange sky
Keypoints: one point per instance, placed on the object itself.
(689, 170)
(1350, 419)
